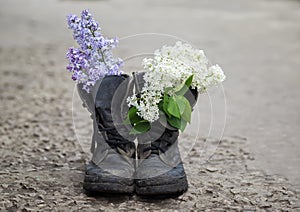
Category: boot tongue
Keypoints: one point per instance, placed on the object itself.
(161, 145)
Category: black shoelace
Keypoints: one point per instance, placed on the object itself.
(165, 139)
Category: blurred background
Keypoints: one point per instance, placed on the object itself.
(256, 42)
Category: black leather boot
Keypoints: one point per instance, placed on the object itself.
(160, 171)
(112, 166)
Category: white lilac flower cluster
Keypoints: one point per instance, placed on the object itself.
(170, 67)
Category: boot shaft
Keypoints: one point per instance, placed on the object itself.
(110, 100)
(107, 104)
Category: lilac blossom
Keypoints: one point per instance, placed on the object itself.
(93, 59)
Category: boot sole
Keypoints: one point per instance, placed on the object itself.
(111, 185)
(108, 188)
(163, 191)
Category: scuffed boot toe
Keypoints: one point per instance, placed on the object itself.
(99, 181)
(171, 183)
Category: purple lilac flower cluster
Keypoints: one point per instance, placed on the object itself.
(93, 59)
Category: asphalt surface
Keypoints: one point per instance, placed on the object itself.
(255, 42)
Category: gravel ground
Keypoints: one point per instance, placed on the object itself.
(42, 163)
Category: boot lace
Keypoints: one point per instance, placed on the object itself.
(117, 142)
(162, 144)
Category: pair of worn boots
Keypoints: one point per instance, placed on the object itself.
(153, 168)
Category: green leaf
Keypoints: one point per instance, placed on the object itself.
(184, 107)
(133, 116)
(140, 127)
(184, 87)
(189, 81)
(131, 112)
(165, 104)
(174, 122)
(179, 87)
(177, 123)
(173, 108)
(181, 102)
(167, 89)
(183, 125)
(187, 111)
(161, 105)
